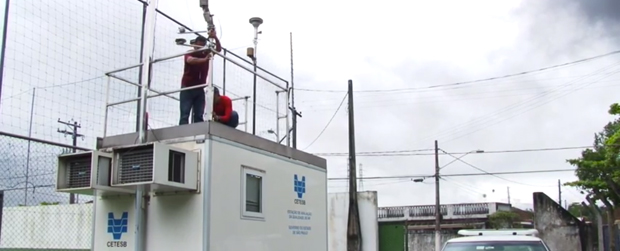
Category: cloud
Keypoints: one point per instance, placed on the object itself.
(600, 14)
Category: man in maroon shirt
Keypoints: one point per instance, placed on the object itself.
(195, 72)
(223, 111)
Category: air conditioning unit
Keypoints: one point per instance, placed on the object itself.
(157, 166)
(83, 173)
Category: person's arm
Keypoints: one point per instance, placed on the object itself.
(228, 111)
(218, 46)
(194, 60)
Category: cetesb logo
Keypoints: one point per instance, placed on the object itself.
(117, 227)
(299, 187)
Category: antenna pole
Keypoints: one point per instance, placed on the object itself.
(292, 90)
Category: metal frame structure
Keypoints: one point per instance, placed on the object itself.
(111, 75)
(144, 87)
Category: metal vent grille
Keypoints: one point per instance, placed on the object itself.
(135, 166)
(78, 173)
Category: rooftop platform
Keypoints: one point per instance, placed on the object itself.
(205, 130)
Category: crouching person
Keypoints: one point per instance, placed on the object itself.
(223, 111)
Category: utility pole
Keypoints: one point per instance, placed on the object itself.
(508, 191)
(74, 135)
(295, 115)
(437, 201)
(354, 233)
(559, 192)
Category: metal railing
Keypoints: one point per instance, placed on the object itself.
(425, 212)
(233, 59)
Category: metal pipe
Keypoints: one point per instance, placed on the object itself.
(250, 70)
(134, 84)
(28, 152)
(157, 95)
(257, 67)
(178, 90)
(288, 125)
(157, 60)
(209, 99)
(124, 69)
(147, 61)
(246, 114)
(122, 102)
(191, 31)
(224, 75)
(107, 99)
(5, 28)
(254, 62)
(42, 141)
(240, 98)
(140, 68)
(277, 115)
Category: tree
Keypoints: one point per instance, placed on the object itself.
(578, 210)
(597, 167)
(503, 219)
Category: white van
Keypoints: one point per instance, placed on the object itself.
(497, 240)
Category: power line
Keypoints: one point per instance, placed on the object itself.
(484, 171)
(458, 174)
(328, 123)
(525, 107)
(421, 152)
(478, 80)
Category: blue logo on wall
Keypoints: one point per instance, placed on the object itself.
(117, 227)
(300, 186)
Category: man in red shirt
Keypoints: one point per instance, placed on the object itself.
(223, 111)
(195, 72)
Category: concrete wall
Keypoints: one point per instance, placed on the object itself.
(557, 227)
(424, 240)
(65, 227)
(338, 209)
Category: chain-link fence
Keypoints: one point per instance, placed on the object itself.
(34, 216)
(57, 54)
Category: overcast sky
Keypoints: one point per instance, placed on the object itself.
(64, 47)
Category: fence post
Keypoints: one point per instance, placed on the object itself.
(1, 209)
(224, 74)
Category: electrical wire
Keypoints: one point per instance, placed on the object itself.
(416, 152)
(461, 185)
(454, 175)
(328, 123)
(486, 172)
(478, 80)
(404, 98)
(507, 111)
(512, 115)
